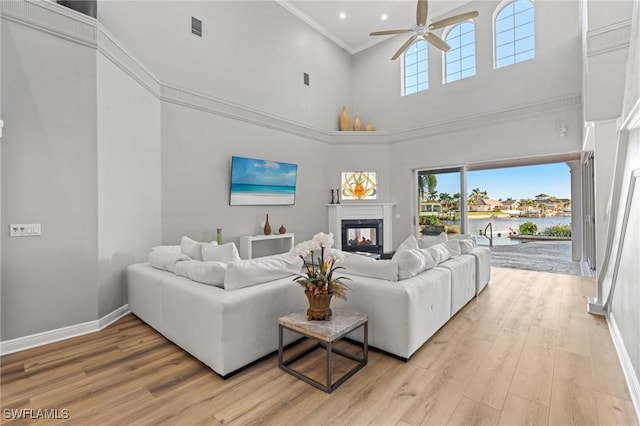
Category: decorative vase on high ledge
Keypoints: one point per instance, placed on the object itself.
(344, 119)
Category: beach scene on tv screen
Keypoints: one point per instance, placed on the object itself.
(262, 182)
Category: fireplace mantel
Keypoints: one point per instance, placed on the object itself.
(338, 212)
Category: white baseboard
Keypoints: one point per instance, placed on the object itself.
(625, 361)
(46, 337)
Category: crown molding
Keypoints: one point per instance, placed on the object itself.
(193, 99)
(51, 18)
(609, 38)
(112, 49)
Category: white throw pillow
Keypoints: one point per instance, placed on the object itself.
(408, 244)
(211, 273)
(429, 261)
(467, 237)
(410, 263)
(466, 246)
(364, 266)
(454, 247)
(166, 261)
(428, 240)
(167, 249)
(224, 253)
(245, 273)
(439, 253)
(192, 248)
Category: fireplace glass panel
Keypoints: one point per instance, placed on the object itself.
(361, 237)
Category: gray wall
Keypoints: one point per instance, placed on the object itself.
(128, 179)
(48, 177)
(252, 53)
(196, 158)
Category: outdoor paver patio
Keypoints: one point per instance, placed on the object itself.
(543, 256)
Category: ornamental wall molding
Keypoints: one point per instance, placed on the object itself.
(609, 38)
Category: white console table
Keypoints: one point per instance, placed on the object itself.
(246, 243)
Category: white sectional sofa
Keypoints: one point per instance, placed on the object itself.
(404, 314)
(230, 318)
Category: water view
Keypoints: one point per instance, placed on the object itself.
(503, 226)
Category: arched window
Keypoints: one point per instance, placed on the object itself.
(461, 59)
(514, 33)
(416, 68)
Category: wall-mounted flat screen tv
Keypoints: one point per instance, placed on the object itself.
(262, 182)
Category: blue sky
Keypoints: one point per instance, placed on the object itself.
(263, 172)
(515, 182)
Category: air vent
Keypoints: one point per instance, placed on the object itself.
(196, 27)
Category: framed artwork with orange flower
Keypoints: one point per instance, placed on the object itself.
(359, 185)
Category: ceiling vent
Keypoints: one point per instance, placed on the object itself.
(196, 27)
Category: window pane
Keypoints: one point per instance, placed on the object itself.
(504, 38)
(504, 24)
(469, 73)
(422, 78)
(415, 70)
(467, 51)
(468, 63)
(523, 18)
(467, 38)
(524, 45)
(453, 55)
(504, 62)
(524, 31)
(423, 86)
(530, 54)
(519, 6)
(422, 55)
(504, 51)
(453, 77)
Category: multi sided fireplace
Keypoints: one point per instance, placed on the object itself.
(362, 235)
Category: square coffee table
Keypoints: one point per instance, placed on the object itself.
(326, 333)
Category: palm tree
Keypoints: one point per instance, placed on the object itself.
(445, 198)
(477, 195)
(427, 183)
(455, 200)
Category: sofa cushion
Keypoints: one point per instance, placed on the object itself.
(166, 261)
(410, 263)
(220, 253)
(192, 248)
(454, 247)
(439, 252)
(409, 243)
(167, 249)
(203, 272)
(245, 273)
(466, 246)
(363, 266)
(429, 240)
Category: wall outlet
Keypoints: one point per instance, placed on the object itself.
(25, 230)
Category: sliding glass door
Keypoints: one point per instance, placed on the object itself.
(441, 203)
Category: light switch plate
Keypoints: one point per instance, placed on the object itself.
(25, 230)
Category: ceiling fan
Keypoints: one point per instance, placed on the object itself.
(422, 30)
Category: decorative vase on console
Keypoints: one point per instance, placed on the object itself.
(219, 236)
(282, 230)
(357, 125)
(267, 226)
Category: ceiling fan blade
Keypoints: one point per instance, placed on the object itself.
(453, 20)
(421, 13)
(436, 41)
(404, 47)
(388, 32)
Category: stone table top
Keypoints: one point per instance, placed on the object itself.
(342, 322)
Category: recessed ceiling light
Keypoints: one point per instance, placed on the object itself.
(384, 17)
(343, 15)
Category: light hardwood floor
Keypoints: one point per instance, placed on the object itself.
(524, 352)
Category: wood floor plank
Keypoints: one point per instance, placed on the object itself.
(520, 411)
(571, 404)
(469, 412)
(490, 384)
(523, 352)
(614, 411)
(534, 374)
